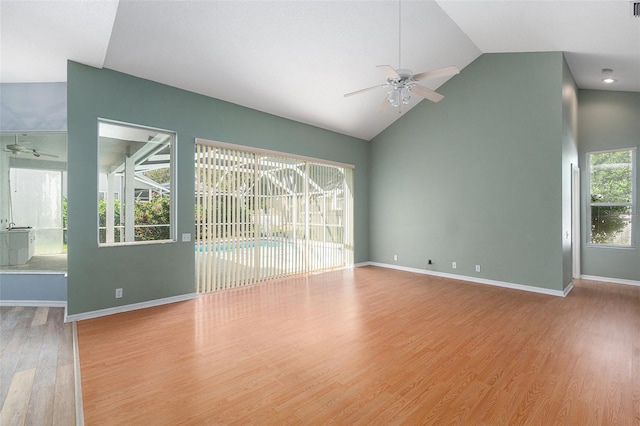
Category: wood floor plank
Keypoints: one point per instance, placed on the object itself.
(40, 410)
(64, 405)
(16, 405)
(40, 316)
(369, 346)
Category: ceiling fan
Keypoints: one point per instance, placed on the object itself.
(403, 82)
(21, 149)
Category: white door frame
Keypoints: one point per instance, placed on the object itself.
(575, 219)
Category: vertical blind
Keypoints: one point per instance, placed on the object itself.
(262, 216)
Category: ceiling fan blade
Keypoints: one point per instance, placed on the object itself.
(426, 93)
(384, 104)
(357, 92)
(389, 71)
(441, 72)
(43, 154)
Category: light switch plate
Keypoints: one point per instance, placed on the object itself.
(186, 237)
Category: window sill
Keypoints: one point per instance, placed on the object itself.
(606, 246)
(136, 243)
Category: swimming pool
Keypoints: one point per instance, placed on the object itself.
(235, 245)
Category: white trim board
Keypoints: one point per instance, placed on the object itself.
(35, 303)
(610, 280)
(476, 280)
(77, 378)
(131, 307)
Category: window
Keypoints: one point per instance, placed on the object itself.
(611, 202)
(135, 184)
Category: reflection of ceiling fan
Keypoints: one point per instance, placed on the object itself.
(403, 83)
(21, 149)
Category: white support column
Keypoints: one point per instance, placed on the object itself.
(129, 199)
(110, 213)
(5, 191)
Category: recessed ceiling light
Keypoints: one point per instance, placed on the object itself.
(608, 79)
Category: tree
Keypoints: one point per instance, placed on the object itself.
(151, 219)
(156, 211)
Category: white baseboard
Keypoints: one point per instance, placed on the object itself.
(77, 378)
(35, 303)
(358, 265)
(610, 280)
(476, 280)
(131, 307)
(568, 289)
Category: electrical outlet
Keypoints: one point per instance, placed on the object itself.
(477, 268)
(118, 293)
(395, 257)
(429, 262)
(454, 265)
(186, 237)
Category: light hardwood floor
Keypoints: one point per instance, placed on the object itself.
(36, 360)
(369, 346)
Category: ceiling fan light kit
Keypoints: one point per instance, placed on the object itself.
(403, 84)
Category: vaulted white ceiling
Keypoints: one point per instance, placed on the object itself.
(296, 59)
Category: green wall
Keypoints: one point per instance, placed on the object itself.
(477, 178)
(150, 272)
(609, 120)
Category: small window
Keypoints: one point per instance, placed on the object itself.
(611, 202)
(135, 167)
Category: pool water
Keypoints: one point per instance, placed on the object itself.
(234, 245)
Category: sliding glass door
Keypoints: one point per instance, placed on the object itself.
(262, 215)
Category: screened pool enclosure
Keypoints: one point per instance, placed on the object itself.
(262, 215)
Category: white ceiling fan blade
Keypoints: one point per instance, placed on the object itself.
(384, 104)
(389, 71)
(426, 93)
(441, 72)
(17, 148)
(357, 92)
(43, 154)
